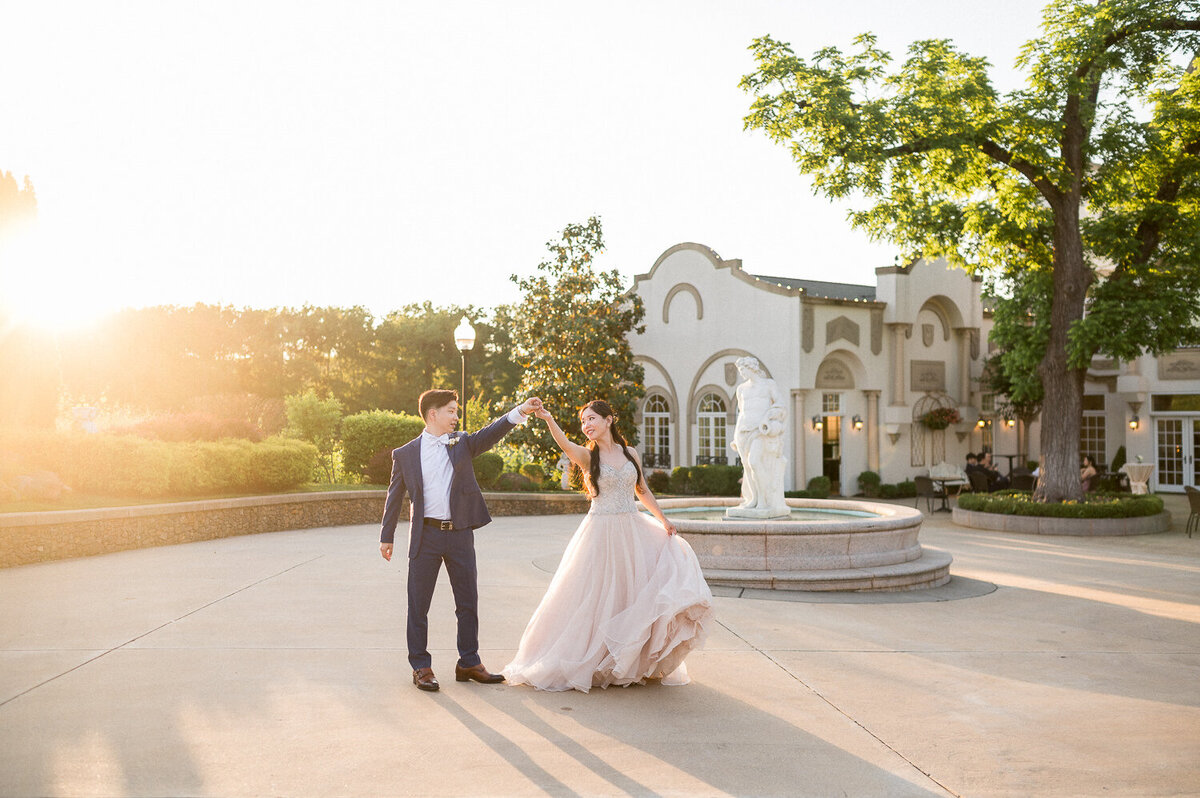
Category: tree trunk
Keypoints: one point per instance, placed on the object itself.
(1062, 408)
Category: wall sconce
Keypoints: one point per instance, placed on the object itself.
(1134, 423)
(817, 423)
(1010, 422)
(981, 423)
(857, 422)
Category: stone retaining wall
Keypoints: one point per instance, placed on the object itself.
(1080, 527)
(39, 537)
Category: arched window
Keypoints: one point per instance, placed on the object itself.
(656, 432)
(711, 421)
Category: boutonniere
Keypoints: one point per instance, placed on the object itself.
(453, 441)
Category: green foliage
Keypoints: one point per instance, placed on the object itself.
(487, 469)
(535, 472)
(571, 335)
(868, 483)
(659, 482)
(906, 489)
(131, 466)
(1119, 459)
(704, 480)
(1075, 193)
(318, 421)
(194, 426)
(512, 481)
(1094, 505)
(820, 487)
(366, 434)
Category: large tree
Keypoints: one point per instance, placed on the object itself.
(1082, 185)
(570, 334)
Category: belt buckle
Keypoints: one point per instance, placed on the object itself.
(446, 526)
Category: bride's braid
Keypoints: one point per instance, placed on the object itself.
(602, 409)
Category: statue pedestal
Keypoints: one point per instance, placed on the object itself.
(757, 512)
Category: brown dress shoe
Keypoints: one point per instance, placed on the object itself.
(424, 679)
(477, 673)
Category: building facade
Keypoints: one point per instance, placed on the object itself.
(864, 365)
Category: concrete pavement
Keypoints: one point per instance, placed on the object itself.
(274, 665)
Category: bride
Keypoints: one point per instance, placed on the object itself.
(628, 601)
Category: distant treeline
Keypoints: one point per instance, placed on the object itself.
(170, 359)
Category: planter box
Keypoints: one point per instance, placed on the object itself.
(1079, 527)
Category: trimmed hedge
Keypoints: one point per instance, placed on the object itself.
(706, 480)
(366, 434)
(659, 482)
(512, 481)
(1094, 505)
(487, 469)
(124, 465)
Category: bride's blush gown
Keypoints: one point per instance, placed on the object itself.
(627, 603)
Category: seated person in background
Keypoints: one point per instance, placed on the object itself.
(1087, 474)
(996, 480)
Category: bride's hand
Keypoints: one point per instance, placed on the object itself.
(667, 525)
(543, 414)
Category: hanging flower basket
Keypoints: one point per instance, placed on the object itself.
(940, 418)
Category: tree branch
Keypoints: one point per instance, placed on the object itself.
(1121, 34)
(1031, 172)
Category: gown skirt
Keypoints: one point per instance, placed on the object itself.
(627, 603)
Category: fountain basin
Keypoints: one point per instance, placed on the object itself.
(836, 545)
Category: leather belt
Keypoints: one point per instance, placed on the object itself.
(445, 526)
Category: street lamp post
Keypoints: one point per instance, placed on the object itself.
(464, 339)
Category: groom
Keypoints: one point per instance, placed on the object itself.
(435, 469)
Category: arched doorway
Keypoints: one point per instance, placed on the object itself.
(928, 445)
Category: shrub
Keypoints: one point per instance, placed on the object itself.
(316, 420)
(868, 483)
(819, 487)
(487, 468)
(536, 474)
(681, 480)
(1094, 505)
(366, 434)
(716, 480)
(513, 481)
(131, 466)
(659, 482)
(906, 489)
(193, 427)
(1119, 459)
(890, 491)
(379, 468)
(797, 494)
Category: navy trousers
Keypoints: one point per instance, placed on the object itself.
(457, 549)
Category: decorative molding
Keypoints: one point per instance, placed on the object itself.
(734, 353)
(839, 328)
(672, 394)
(1179, 366)
(731, 374)
(833, 374)
(876, 330)
(927, 375)
(807, 322)
(927, 334)
(689, 288)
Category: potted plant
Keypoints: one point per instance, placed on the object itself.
(941, 417)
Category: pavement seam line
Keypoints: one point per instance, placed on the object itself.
(839, 710)
(157, 628)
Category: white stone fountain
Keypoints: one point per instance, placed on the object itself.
(766, 541)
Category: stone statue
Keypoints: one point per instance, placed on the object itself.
(758, 440)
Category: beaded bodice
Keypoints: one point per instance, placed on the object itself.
(616, 490)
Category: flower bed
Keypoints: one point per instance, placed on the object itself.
(1094, 505)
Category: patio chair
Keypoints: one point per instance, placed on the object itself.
(1193, 496)
(979, 481)
(1023, 482)
(928, 491)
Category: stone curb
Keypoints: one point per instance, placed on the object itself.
(1077, 527)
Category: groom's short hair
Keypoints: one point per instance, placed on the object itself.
(435, 399)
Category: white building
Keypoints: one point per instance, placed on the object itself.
(863, 364)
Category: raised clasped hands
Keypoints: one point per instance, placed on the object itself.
(543, 414)
(530, 406)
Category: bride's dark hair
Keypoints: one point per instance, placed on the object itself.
(602, 409)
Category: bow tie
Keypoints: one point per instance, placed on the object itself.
(442, 439)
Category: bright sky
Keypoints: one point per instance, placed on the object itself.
(385, 152)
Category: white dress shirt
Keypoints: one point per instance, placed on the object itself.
(437, 473)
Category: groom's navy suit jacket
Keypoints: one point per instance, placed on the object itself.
(467, 507)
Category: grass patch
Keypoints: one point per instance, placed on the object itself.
(1094, 505)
